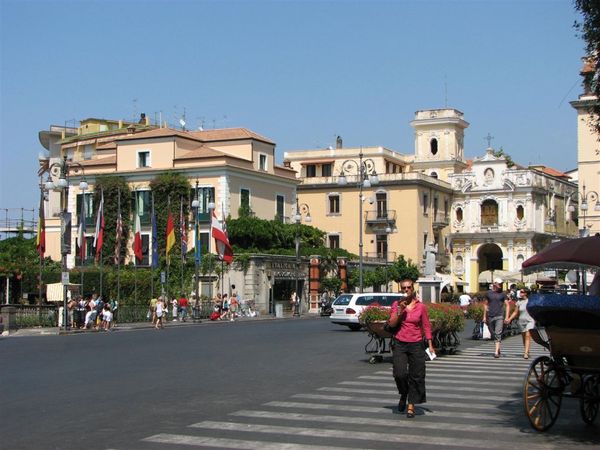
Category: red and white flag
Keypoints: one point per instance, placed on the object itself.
(99, 233)
(137, 239)
(219, 233)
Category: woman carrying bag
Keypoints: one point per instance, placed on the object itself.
(410, 318)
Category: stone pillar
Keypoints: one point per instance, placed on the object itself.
(314, 283)
(343, 273)
(8, 319)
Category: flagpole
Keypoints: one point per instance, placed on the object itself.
(182, 229)
(135, 259)
(166, 288)
(118, 255)
(82, 251)
(101, 210)
(152, 237)
(41, 224)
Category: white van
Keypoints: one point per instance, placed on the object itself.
(347, 307)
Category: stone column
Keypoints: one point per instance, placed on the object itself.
(314, 283)
(343, 273)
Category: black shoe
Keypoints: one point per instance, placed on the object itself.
(402, 404)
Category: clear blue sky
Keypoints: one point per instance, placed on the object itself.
(297, 72)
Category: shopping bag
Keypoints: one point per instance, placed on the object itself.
(485, 333)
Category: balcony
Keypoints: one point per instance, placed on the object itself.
(380, 257)
(379, 217)
(440, 220)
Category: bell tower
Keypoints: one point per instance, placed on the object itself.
(439, 142)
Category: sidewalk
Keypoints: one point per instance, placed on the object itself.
(47, 331)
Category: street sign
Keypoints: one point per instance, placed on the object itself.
(163, 277)
(65, 278)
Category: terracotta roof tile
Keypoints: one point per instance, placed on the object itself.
(203, 151)
(224, 134)
(99, 161)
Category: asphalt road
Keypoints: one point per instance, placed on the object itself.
(108, 390)
(288, 383)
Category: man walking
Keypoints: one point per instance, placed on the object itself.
(493, 313)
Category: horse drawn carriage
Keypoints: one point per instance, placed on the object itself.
(569, 327)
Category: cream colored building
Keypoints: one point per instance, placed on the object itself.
(234, 167)
(405, 211)
(502, 215)
(588, 158)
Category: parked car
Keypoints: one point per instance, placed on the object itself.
(347, 307)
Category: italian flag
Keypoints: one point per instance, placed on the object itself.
(137, 239)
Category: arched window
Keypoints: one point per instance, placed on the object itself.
(520, 212)
(433, 175)
(433, 144)
(459, 214)
(489, 213)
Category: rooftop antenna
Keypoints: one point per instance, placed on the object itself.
(134, 101)
(182, 121)
(445, 91)
(201, 126)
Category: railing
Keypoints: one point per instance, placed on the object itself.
(34, 316)
(380, 257)
(377, 216)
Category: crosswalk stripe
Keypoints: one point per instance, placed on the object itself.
(395, 422)
(429, 388)
(457, 378)
(201, 441)
(390, 436)
(383, 400)
(469, 388)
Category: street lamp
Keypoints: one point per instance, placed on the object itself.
(60, 169)
(366, 177)
(584, 198)
(197, 250)
(301, 209)
(390, 228)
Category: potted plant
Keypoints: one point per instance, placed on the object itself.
(373, 318)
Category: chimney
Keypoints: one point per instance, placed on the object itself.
(130, 128)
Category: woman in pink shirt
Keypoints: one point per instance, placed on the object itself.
(407, 348)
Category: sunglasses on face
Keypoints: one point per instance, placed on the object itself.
(406, 287)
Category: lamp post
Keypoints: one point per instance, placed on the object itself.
(389, 229)
(301, 209)
(197, 249)
(366, 177)
(584, 199)
(61, 170)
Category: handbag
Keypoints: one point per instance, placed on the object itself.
(389, 329)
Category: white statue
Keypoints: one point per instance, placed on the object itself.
(430, 252)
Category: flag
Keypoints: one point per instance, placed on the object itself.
(99, 233)
(137, 238)
(183, 232)
(40, 240)
(170, 234)
(119, 234)
(154, 240)
(219, 233)
(81, 230)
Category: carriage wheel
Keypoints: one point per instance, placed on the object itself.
(589, 403)
(542, 393)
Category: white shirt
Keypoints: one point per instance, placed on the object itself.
(465, 300)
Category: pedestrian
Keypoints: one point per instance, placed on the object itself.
(107, 317)
(233, 307)
(114, 306)
(293, 300)
(525, 321)
(183, 307)
(152, 310)
(493, 314)
(160, 312)
(175, 309)
(225, 307)
(465, 301)
(410, 319)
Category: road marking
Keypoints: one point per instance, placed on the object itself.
(202, 441)
(429, 388)
(454, 388)
(399, 438)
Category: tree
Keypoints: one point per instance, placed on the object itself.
(589, 28)
(402, 269)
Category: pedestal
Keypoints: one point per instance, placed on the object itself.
(429, 289)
